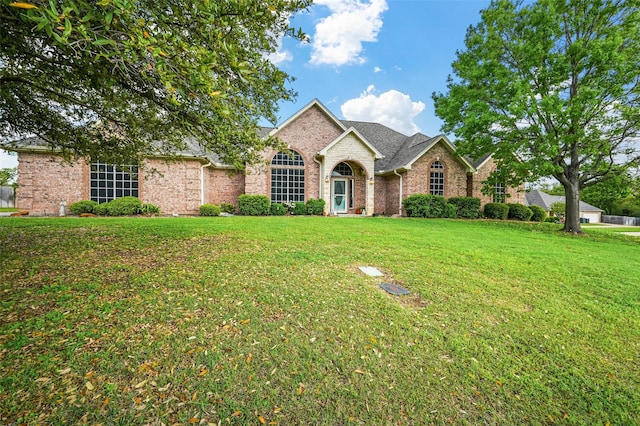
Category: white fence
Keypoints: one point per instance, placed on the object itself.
(7, 197)
(621, 220)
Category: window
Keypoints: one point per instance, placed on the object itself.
(287, 177)
(436, 179)
(109, 181)
(498, 191)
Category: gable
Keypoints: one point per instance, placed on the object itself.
(352, 143)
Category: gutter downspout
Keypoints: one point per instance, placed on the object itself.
(202, 181)
(395, 172)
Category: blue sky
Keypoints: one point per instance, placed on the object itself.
(374, 60)
(378, 60)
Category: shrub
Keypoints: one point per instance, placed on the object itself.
(124, 206)
(496, 211)
(299, 209)
(254, 205)
(278, 209)
(450, 211)
(539, 214)
(227, 208)
(551, 219)
(424, 205)
(519, 212)
(101, 209)
(84, 206)
(209, 210)
(315, 207)
(466, 207)
(149, 208)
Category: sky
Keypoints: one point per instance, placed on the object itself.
(373, 60)
(377, 60)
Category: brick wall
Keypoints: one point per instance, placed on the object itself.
(223, 186)
(306, 134)
(514, 195)
(455, 174)
(44, 180)
(174, 186)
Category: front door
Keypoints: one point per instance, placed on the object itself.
(339, 198)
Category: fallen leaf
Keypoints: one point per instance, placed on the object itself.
(359, 372)
(89, 386)
(236, 413)
(141, 384)
(21, 5)
(203, 372)
(194, 420)
(249, 358)
(65, 371)
(262, 420)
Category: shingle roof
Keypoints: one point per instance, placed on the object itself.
(544, 200)
(384, 139)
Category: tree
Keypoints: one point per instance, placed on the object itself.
(605, 194)
(556, 82)
(8, 176)
(116, 79)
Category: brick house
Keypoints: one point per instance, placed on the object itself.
(349, 164)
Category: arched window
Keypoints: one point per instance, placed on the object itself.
(436, 179)
(287, 177)
(342, 169)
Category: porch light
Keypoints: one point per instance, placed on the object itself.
(371, 179)
(326, 178)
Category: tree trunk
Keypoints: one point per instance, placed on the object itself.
(572, 208)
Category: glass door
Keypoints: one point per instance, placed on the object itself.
(339, 203)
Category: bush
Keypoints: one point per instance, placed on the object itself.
(149, 208)
(450, 211)
(539, 214)
(424, 205)
(254, 205)
(278, 209)
(101, 209)
(299, 208)
(496, 211)
(124, 206)
(519, 212)
(466, 207)
(209, 210)
(84, 206)
(551, 219)
(315, 207)
(227, 208)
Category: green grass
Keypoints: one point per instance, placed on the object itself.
(7, 209)
(268, 320)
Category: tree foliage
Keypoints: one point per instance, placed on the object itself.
(556, 82)
(8, 176)
(118, 79)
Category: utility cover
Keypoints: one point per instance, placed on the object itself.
(395, 289)
(372, 272)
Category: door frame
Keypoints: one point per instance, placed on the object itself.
(346, 195)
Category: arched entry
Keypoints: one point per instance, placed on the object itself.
(342, 188)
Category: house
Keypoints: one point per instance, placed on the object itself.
(349, 164)
(538, 198)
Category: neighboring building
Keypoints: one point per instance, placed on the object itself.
(349, 164)
(544, 200)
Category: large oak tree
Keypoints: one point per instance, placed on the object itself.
(117, 79)
(555, 82)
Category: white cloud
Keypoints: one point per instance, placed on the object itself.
(338, 37)
(394, 109)
(280, 56)
(377, 70)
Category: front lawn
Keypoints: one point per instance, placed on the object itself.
(269, 321)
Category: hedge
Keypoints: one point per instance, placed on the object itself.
(254, 205)
(84, 206)
(519, 212)
(315, 207)
(496, 211)
(539, 214)
(209, 210)
(424, 205)
(278, 209)
(466, 207)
